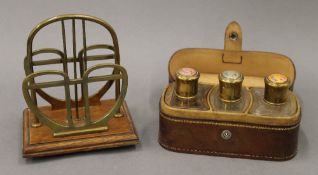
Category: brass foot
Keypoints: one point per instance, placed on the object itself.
(36, 125)
(118, 115)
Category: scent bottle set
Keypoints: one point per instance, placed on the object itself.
(230, 102)
(229, 117)
(230, 96)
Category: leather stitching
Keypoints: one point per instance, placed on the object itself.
(227, 153)
(228, 124)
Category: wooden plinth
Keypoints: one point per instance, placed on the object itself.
(40, 142)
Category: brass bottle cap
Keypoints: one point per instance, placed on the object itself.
(276, 88)
(187, 82)
(230, 83)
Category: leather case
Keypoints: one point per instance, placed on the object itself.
(200, 132)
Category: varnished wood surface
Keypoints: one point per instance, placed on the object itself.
(39, 142)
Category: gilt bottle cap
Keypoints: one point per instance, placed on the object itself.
(187, 82)
(276, 88)
(230, 82)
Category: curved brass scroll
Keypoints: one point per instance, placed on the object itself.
(70, 128)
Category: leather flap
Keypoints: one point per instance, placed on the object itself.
(254, 65)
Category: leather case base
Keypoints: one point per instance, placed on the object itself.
(248, 141)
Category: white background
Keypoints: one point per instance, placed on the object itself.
(149, 33)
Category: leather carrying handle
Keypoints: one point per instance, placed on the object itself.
(232, 42)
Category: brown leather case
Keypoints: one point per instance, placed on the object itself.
(200, 132)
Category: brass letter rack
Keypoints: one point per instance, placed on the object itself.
(85, 122)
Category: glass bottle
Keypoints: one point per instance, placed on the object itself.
(230, 96)
(276, 99)
(187, 92)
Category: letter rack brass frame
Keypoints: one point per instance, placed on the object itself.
(44, 136)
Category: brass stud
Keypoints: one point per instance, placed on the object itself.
(226, 135)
